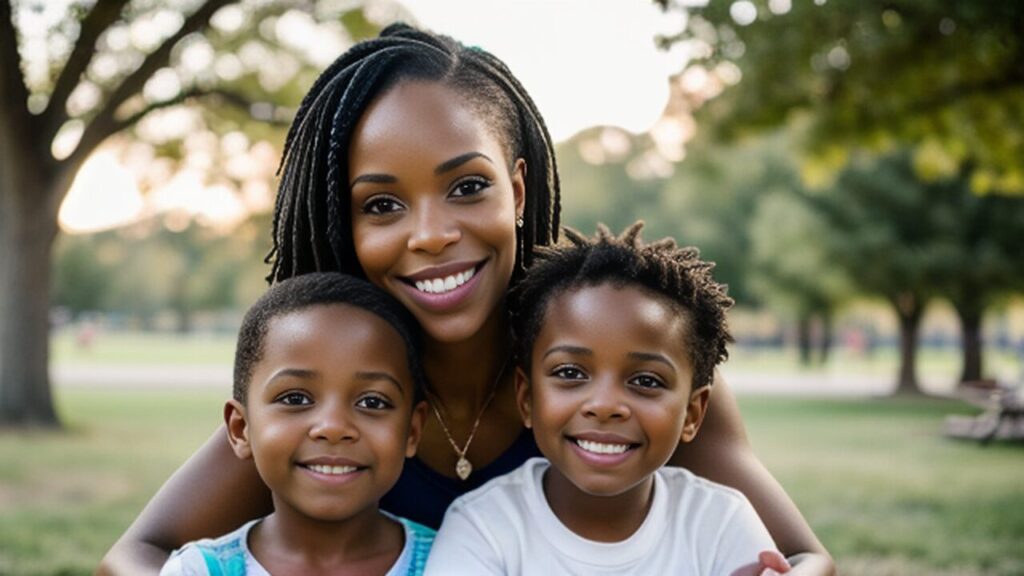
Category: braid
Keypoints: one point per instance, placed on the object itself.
(675, 273)
(312, 225)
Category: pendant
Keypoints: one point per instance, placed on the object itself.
(463, 468)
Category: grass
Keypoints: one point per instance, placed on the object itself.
(882, 489)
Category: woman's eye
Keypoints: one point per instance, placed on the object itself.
(470, 187)
(381, 205)
(374, 403)
(568, 373)
(294, 399)
(647, 381)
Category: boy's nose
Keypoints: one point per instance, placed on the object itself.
(333, 426)
(606, 403)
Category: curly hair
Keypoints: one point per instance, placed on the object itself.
(321, 289)
(312, 231)
(675, 273)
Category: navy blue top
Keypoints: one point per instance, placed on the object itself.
(422, 495)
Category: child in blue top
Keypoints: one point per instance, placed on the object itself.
(325, 401)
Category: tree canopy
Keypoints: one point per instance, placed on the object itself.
(944, 79)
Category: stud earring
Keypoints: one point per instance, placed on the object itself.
(519, 222)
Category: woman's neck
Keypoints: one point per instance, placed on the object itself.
(463, 375)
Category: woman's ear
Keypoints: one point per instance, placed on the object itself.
(696, 407)
(419, 416)
(519, 186)
(238, 428)
(523, 397)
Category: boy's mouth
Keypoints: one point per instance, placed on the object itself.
(601, 447)
(330, 470)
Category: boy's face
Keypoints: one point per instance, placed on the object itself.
(327, 418)
(608, 395)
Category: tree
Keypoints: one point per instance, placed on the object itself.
(92, 83)
(944, 79)
(909, 241)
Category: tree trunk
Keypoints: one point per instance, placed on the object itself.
(803, 338)
(970, 343)
(26, 243)
(826, 337)
(909, 309)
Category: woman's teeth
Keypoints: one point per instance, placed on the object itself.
(601, 448)
(323, 469)
(446, 284)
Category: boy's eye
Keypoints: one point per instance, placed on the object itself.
(647, 381)
(374, 403)
(295, 399)
(568, 373)
(381, 205)
(470, 187)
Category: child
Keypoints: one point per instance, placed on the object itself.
(617, 342)
(325, 401)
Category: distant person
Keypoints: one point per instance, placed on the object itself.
(325, 403)
(617, 342)
(424, 166)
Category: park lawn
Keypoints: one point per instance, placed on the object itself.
(883, 490)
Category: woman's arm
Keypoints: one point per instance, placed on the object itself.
(721, 452)
(211, 494)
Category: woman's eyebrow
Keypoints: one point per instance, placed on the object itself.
(373, 179)
(459, 160)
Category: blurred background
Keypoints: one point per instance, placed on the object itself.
(854, 167)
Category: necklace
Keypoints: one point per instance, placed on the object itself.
(463, 468)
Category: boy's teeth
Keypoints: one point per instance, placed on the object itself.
(601, 448)
(446, 284)
(323, 469)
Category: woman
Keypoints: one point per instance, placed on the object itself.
(424, 166)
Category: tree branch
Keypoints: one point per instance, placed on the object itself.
(13, 91)
(103, 124)
(102, 15)
(274, 116)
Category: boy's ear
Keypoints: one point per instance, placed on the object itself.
(696, 407)
(238, 428)
(418, 417)
(519, 186)
(523, 396)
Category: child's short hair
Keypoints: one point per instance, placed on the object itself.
(320, 289)
(676, 273)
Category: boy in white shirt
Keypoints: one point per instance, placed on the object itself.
(617, 342)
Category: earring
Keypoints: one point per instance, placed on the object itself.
(519, 222)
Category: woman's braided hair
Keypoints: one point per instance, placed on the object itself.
(312, 230)
(676, 274)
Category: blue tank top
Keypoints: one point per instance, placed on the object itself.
(422, 495)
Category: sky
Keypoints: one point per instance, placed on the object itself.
(585, 63)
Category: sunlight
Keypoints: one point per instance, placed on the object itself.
(103, 196)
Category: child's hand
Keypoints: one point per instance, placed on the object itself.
(772, 563)
(769, 563)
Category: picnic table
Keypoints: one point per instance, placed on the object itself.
(1002, 417)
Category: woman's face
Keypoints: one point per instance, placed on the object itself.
(434, 204)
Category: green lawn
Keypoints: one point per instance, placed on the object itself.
(883, 490)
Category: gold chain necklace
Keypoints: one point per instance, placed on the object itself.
(463, 468)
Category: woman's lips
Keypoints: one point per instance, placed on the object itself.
(442, 289)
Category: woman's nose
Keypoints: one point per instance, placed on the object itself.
(434, 231)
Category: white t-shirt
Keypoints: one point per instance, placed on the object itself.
(694, 527)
